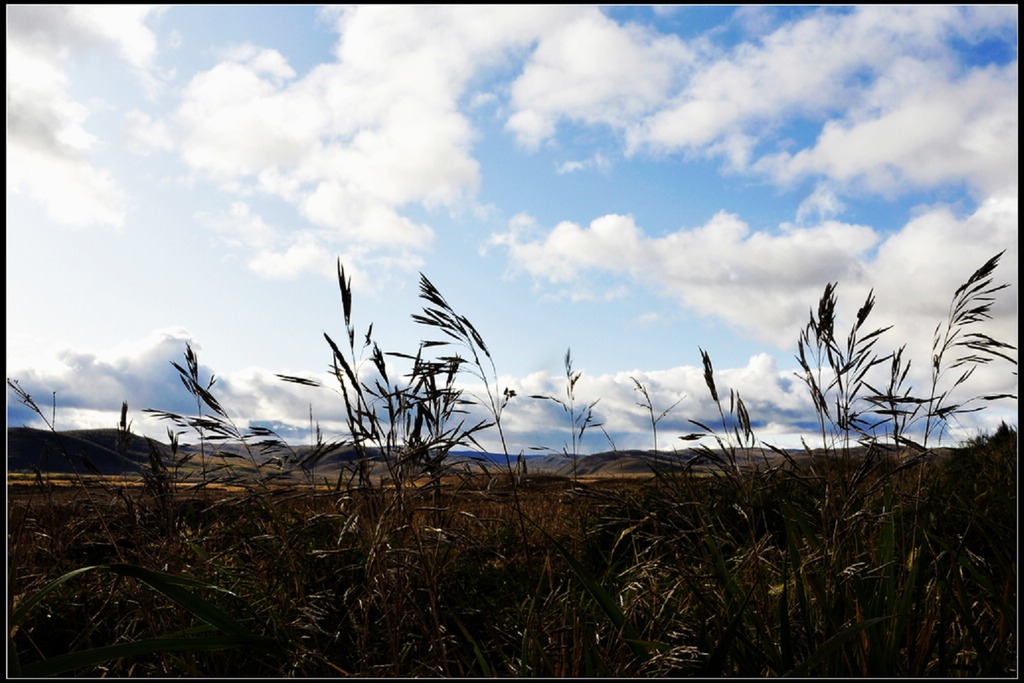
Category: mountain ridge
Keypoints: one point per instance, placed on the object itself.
(100, 451)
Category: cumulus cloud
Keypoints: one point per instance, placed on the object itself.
(356, 144)
(48, 142)
(778, 404)
(64, 29)
(138, 372)
(897, 111)
(306, 254)
(277, 253)
(802, 68)
(763, 284)
(48, 145)
(88, 387)
(758, 282)
(593, 70)
(353, 142)
(777, 401)
(893, 106)
(917, 270)
(932, 132)
(235, 123)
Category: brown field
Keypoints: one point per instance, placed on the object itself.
(444, 575)
(59, 488)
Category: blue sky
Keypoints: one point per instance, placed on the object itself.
(634, 183)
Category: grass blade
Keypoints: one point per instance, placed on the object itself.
(87, 658)
(602, 597)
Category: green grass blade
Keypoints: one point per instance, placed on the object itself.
(172, 587)
(602, 597)
(715, 664)
(477, 652)
(785, 629)
(87, 658)
(831, 645)
(24, 608)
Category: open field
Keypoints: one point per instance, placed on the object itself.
(868, 569)
(379, 556)
(64, 488)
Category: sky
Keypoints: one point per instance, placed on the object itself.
(631, 184)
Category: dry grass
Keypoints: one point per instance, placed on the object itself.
(853, 559)
(406, 583)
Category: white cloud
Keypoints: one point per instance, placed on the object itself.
(895, 108)
(821, 204)
(799, 68)
(931, 132)
(649, 318)
(90, 386)
(362, 219)
(598, 161)
(917, 270)
(144, 135)
(73, 191)
(777, 404)
(269, 63)
(124, 26)
(74, 28)
(280, 253)
(48, 142)
(757, 282)
(264, 247)
(353, 142)
(593, 70)
(483, 99)
(235, 122)
(239, 226)
(305, 254)
(811, 67)
(138, 372)
(763, 284)
(777, 400)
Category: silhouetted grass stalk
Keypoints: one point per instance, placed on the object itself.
(579, 420)
(864, 563)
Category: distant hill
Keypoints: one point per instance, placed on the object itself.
(85, 451)
(96, 451)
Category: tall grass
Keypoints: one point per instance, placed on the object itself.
(580, 419)
(872, 553)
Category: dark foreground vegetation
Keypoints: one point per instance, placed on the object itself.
(874, 557)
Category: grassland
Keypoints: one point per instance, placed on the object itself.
(870, 556)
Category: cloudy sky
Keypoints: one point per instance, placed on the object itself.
(631, 183)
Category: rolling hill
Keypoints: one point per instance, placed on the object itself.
(97, 451)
